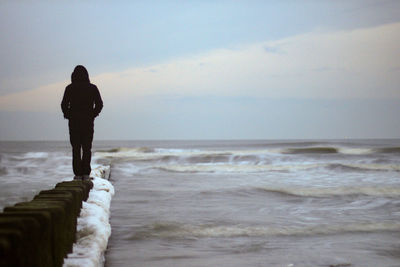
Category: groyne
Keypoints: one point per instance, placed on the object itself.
(41, 232)
(93, 229)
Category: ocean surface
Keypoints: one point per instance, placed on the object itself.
(233, 203)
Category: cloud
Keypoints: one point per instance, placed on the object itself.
(345, 64)
(45, 98)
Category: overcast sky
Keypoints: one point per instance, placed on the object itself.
(204, 69)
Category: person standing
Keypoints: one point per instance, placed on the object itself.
(81, 104)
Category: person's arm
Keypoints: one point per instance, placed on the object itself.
(98, 103)
(65, 103)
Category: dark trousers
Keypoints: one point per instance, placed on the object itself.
(81, 137)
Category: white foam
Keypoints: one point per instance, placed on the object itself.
(33, 155)
(233, 168)
(355, 151)
(93, 228)
(36, 155)
(174, 230)
(158, 153)
(176, 151)
(252, 167)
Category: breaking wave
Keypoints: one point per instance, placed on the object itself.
(232, 168)
(252, 161)
(256, 168)
(228, 156)
(176, 230)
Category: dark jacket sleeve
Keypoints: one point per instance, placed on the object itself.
(65, 103)
(98, 102)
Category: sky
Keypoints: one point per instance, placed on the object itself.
(204, 69)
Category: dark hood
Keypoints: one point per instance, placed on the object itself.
(80, 74)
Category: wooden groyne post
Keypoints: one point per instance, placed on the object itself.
(41, 232)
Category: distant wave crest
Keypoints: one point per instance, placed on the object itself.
(334, 191)
(388, 150)
(311, 150)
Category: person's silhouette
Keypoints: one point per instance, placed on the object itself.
(81, 104)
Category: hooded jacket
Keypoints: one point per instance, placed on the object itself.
(81, 98)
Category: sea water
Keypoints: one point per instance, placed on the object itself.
(233, 203)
